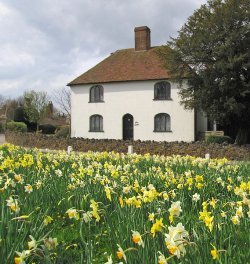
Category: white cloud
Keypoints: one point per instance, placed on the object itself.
(45, 44)
(4, 10)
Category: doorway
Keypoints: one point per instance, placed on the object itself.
(128, 127)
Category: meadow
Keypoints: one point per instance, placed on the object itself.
(116, 208)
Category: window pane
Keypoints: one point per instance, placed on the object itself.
(96, 93)
(162, 90)
(162, 122)
(92, 94)
(96, 123)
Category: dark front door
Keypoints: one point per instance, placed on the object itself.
(128, 127)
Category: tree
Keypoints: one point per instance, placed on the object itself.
(8, 106)
(61, 97)
(212, 50)
(36, 105)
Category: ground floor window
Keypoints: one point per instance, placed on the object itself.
(96, 123)
(162, 123)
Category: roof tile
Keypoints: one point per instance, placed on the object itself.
(125, 65)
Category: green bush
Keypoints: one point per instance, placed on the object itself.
(16, 126)
(47, 129)
(219, 139)
(63, 132)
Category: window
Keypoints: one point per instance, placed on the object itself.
(96, 94)
(162, 123)
(162, 91)
(96, 123)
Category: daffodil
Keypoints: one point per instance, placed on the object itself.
(151, 217)
(28, 188)
(239, 212)
(214, 253)
(32, 243)
(108, 191)
(21, 257)
(175, 208)
(213, 202)
(196, 197)
(235, 219)
(162, 259)
(13, 204)
(47, 220)
(120, 253)
(110, 261)
(137, 239)
(175, 240)
(94, 212)
(157, 226)
(50, 243)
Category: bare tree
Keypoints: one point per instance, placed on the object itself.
(61, 97)
(8, 106)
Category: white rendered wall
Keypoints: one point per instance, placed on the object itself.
(135, 98)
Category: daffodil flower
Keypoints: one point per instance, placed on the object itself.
(137, 239)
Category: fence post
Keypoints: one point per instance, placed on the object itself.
(69, 149)
(130, 149)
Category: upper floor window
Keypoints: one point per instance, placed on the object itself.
(162, 123)
(162, 91)
(96, 94)
(96, 123)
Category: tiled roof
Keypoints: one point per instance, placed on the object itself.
(125, 65)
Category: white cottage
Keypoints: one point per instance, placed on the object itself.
(130, 95)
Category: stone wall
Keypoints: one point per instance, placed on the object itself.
(198, 149)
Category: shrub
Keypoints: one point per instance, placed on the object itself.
(2, 127)
(31, 126)
(47, 129)
(19, 115)
(63, 132)
(219, 139)
(16, 126)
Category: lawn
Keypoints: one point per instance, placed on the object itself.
(116, 208)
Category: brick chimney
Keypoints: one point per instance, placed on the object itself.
(142, 38)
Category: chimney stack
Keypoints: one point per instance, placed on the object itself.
(142, 38)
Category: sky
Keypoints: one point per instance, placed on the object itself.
(45, 44)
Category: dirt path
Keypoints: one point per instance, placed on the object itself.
(2, 139)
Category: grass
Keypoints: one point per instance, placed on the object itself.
(84, 208)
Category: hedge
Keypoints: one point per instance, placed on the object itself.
(198, 149)
(16, 126)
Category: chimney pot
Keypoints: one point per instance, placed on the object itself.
(142, 38)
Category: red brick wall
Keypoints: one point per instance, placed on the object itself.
(142, 38)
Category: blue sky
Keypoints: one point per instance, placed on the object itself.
(44, 44)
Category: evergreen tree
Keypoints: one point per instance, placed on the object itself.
(212, 50)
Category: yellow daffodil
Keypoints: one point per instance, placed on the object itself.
(213, 202)
(235, 219)
(47, 220)
(151, 217)
(108, 192)
(94, 212)
(214, 253)
(157, 226)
